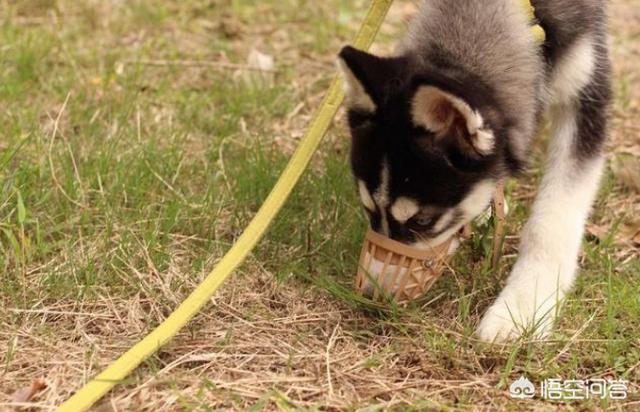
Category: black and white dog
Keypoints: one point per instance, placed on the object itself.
(435, 127)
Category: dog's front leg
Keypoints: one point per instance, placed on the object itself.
(550, 241)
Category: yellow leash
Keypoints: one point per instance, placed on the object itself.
(125, 364)
(538, 32)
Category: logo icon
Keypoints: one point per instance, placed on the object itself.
(522, 388)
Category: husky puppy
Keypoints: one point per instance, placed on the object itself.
(435, 127)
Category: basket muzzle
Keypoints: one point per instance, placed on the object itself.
(390, 269)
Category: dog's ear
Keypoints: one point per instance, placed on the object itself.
(452, 120)
(366, 77)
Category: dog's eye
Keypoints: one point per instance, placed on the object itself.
(422, 221)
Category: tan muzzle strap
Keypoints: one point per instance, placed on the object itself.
(388, 269)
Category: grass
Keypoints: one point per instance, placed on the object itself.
(135, 146)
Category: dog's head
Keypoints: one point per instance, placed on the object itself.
(425, 145)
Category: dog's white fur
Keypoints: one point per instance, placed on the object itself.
(444, 220)
(381, 197)
(365, 196)
(472, 205)
(573, 72)
(550, 241)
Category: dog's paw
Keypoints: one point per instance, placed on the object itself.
(510, 318)
(498, 324)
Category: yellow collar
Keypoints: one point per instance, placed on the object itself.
(538, 31)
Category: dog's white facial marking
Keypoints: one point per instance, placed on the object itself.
(471, 206)
(355, 95)
(381, 197)
(404, 208)
(478, 199)
(573, 72)
(444, 220)
(365, 196)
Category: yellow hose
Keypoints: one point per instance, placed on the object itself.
(125, 364)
